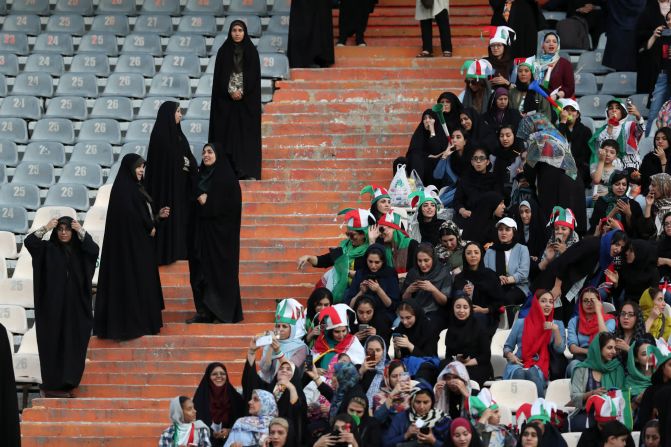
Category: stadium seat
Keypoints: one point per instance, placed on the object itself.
(146, 43)
(45, 151)
(219, 40)
(559, 392)
(554, 16)
(187, 43)
(125, 84)
(199, 108)
(50, 63)
(149, 107)
(621, 84)
(125, 7)
(112, 174)
(95, 218)
(253, 24)
(114, 107)
(13, 317)
(27, 359)
(95, 63)
(60, 43)
(66, 23)
(273, 43)
(9, 64)
(40, 7)
(204, 87)
(196, 147)
(78, 84)
(279, 24)
(594, 106)
(9, 154)
(636, 436)
(134, 148)
(26, 107)
(177, 85)
(153, 23)
(100, 129)
(7, 245)
(281, 7)
(139, 130)
(54, 129)
(3, 86)
(572, 438)
(96, 152)
(14, 129)
(169, 7)
(498, 341)
(513, 393)
(585, 84)
(196, 130)
(16, 43)
(13, 219)
(645, 145)
(22, 23)
(136, 63)
(68, 194)
(255, 7)
(33, 84)
(114, 23)
(46, 213)
(210, 7)
(103, 196)
(70, 107)
(205, 25)
(587, 121)
(105, 43)
(183, 63)
(641, 103)
(40, 174)
(23, 195)
(601, 45)
(441, 344)
(83, 7)
(3, 174)
(274, 65)
(590, 62)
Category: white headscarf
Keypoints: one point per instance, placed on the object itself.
(183, 429)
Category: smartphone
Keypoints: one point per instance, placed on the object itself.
(666, 32)
(363, 327)
(425, 430)
(404, 377)
(370, 357)
(629, 102)
(558, 240)
(335, 433)
(264, 340)
(395, 335)
(309, 362)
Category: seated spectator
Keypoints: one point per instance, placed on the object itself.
(320, 298)
(525, 18)
(499, 114)
(507, 153)
(415, 335)
(530, 436)
(428, 141)
(541, 414)
(372, 369)
(370, 322)
(598, 373)
(614, 434)
(451, 110)
(608, 164)
(658, 160)
(563, 236)
(344, 432)
(488, 421)
(185, 429)
(510, 260)
(659, 357)
(380, 203)
(399, 248)
(481, 285)
(452, 163)
(478, 89)
(616, 204)
(657, 204)
(584, 327)
(377, 281)
(336, 337)
(453, 390)
(346, 383)
(626, 133)
(463, 434)
(531, 229)
(528, 346)
(639, 372)
(394, 395)
(451, 247)
(428, 284)
(637, 273)
(657, 323)
(500, 56)
(469, 118)
(288, 343)
(606, 412)
(348, 256)
(467, 342)
(554, 72)
(422, 407)
(630, 328)
(664, 248)
(217, 403)
(424, 224)
(368, 427)
(577, 135)
(280, 434)
(650, 434)
(524, 99)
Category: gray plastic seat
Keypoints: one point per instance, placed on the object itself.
(126, 7)
(9, 154)
(20, 194)
(211, 7)
(50, 63)
(16, 43)
(40, 174)
(134, 148)
(149, 106)
(3, 7)
(78, 84)
(256, 7)
(199, 109)
(26, 107)
(641, 102)
(3, 86)
(279, 24)
(54, 129)
(105, 43)
(70, 107)
(594, 106)
(3, 174)
(212, 61)
(45, 151)
(68, 194)
(187, 43)
(34, 83)
(197, 24)
(253, 24)
(136, 63)
(169, 7)
(14, 129)
(622, 83)
(590, 62)
(95, 152)
(585, 84)
(9, 64)
(139, 130)
(112, 23)
(204, 87)
(23, 23)
(39, 7)
(183, 63)
(101, 129)
(143, 43)
(176, 85)
(154, 23)
(60, 43)
(274, 65)
(114, 170)
(219, 40)
(125, 84)
(87, 174)
(66, 23)
(13, 218)
(83, 7)
(281, 7)
(114, 107)
(270, 43)
(96, 63)
(195, 130)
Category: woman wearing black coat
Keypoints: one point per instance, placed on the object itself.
(658, 160)
(428, 139)
(638, 271)
(578, 136)
(525, 18)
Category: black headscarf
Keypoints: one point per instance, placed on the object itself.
(237, 52)
(421, 334)
(429, 230)
(462, 332)
(661, 403)
(221, 405)
(72, 249)
(537, 230)
(480, 226)
(503, 66)
(368, 427)
(421, 137)
(205, 173)
(9, 405)
(451, 118)
(473, 135)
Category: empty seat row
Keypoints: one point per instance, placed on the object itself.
(618, 84)
(594, 106)
(95, 152)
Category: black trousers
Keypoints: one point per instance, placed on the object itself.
(443, 22)
(353, 19)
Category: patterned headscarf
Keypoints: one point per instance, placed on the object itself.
(348, 377)
(377, 381)
(433, 416)
(448, 227)
(260, 422)
(663, 203)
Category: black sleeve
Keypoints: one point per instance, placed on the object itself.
(34, 245)
(251, 381)
(459, 197)
(326, 391)
(483, 354)
(412, 253)
(328, 259)
(598, 213)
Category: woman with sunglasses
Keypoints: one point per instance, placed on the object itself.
(477, 95)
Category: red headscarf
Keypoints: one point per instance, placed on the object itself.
(460, 422)
(589, 324)
(535, 338)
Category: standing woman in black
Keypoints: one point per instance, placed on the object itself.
(235, 114)
(214, 264)
(129, 299)
(311, 34)
(10, 426)
(171, 170)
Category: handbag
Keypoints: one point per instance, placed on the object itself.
(428, 4)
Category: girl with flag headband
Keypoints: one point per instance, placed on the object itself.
(400, 249)
(487, 420)
(499, 55)
(626, 133)
(478, 90)
(336, 338)
(380, 202)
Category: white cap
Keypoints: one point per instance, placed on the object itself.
(569, 103)
(508, 222)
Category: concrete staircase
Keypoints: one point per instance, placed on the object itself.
(326, 135)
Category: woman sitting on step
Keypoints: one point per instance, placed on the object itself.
(185, 429)
(250, 429)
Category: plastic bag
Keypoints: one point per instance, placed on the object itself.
(400, 189)
(416, 183)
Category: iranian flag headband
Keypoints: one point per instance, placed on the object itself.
(357, 219)
(376, 192)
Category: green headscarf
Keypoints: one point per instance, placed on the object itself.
(341, 266)
(612, 373)
(635, 380)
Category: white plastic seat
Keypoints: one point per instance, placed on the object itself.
(100, 129)
(46, 213)
(499, 340)
(13, 317)
(27, 359)
(177, 85)
(7, 245)
(204, 87)
(54, 129)
(513, 393)
(125, 84)
(184, 63)
(22, 23)
(26, 107)
(95, 63)
(142, 43)
(49, 42)
(199, 108)
(572, 438)
(78, 84)
(22, 195)
(10, 338)
(45, 151)
(441, 344)
(33, 84)
(103, 196)
(18, 292)
(559, 392)
(114, 107)
(139, 130)
(66, 23)
(68, 194)
(95, 218)
(24, 266)
(195, 130)
(69, 107)
(153, 23)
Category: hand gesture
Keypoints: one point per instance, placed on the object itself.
(275, 345)
(426, 438)
(655, 313)
(426, 286)
(633, 110)
(623, 207)
(657, 33)
(621, 345)
(649, 199)
(76, 226)
(51, 224)
(468, 290)
(464, 213)
(515, 360)
(312, 373)
(152, 233)
(479, 309)
(411, 431)
(401, 341)
(363, 288)
(303, 261)
(202, 199)
(613, 276)
(252, 345)
(659, 153)
(599, 391)
(164, 212)
(373, 233)
(602, 154)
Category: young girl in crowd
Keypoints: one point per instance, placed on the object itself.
(606, 165)
(657, 322)
(394, 395)
(185, 429)
(425, 223)
(650, 434)
(320, 298)
(625, 133)
(453, 390)
(450, 249)
(488, 425)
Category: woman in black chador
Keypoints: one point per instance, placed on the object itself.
(63, 269)
(171, 171)
(9, 405)
(214, 264)
(129, 298)
(311, 34)
(235, 114)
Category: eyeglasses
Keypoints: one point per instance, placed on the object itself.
(667, 224)
(478, 158)
(627, 314)
(381, 230)
(218, 374)
(471, 81)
